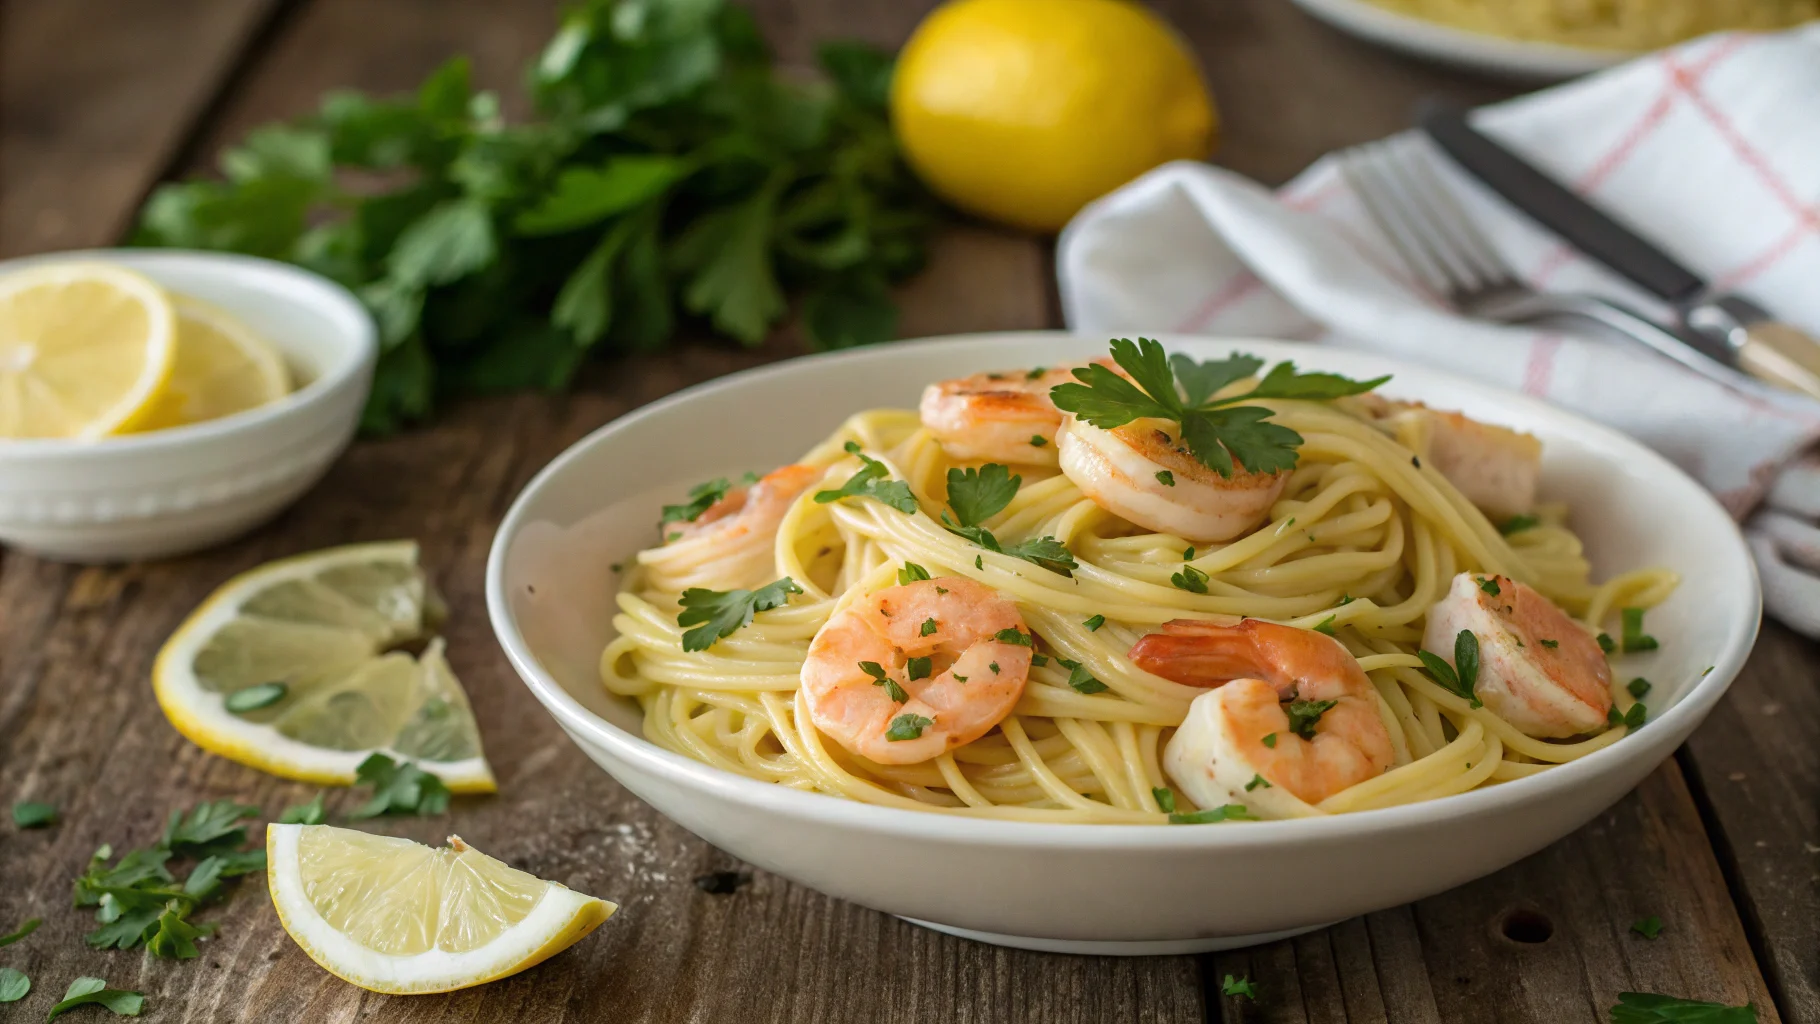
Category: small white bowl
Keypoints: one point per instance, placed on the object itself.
(1092, 888)
(170, 491)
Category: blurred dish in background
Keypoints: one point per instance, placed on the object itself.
(1635, 25)
(1513, 58)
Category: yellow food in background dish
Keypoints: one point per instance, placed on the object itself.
(85, 350)
(394, 916)
(91, 350)
(1610, 24)
(1023, 111)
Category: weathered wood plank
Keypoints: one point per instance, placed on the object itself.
(1755, 769)
(95, 100)
(1548, 939)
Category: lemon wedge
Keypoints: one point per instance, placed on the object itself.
(302, 668)
(85, 349)
(221, 368)
(394, 916)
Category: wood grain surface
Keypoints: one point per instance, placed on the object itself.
(1729, 867)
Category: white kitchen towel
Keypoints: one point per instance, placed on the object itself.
(1712, 147)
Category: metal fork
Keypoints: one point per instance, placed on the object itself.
(1396, 181)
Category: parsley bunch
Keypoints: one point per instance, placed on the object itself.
(670, 172)
(1218, 432)
(977, 495)
(140, 900)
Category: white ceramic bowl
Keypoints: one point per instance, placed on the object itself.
(170, 491)
(1090, 888)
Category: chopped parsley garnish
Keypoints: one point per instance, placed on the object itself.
(1218, 432)
(1093, 624)
(1517, 524)
(960, 679)
(1236, 987)
(29, 926)
(720, 613)
(979, 561)
(1035, 372)
(14, 984)
(1346, 599)
(911, 573)
(1636, 716)
(1638, 687)
(871, 482)
(993, 666)
(139, 900)
(1650, 1008)
(1606, 644)
(252, 698)
(919, 668)
(1013, 635)
(907, 727)
(1212, 815)
(1081, 680)
(1187, 554)
(1038, 660)
(978, 495)
(1707, 671)
(399, 787)
(1166, 478)
(1038, 440)
(1325, 626)
(1489, 584)
(1190, 579)
(312, 813)
(1634, 637)
(928, 628)
(87, 991)
(1270, 740)
(1649, 927)
(1164, 797)
(881, 678)
(1551, 644)
(701, 496)
(1462, 676)
(1305, 714)
(34, 814)
(1257, 781)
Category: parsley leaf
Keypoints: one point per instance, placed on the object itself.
(1094, 623)
(1190, 579)
(977, 495)
(1046, 552)
(1551, 644)
(1165, 798)
(871, 482)
(311, 813)
(1270, 740)
(919, 668)
(399, 788)
(13, 985)
(1325, 626)
(928, 628)
(1649, 927)
(94, 992)
(1635, 717)
(209, 829)
(30, 926)
(1650, 1008)
(907, 727)
(716, 614)
(1305, 714)
(1013, 635)
(1638, 687)
(1517, 524)
(252, 698)
(881, 678)
(911, 573)
(1489, 584)
(34, 814)
(1217, 432)
(1462, 677)
(1038, 440)
(701, 496)
(1166, 478)
(1634, 637)
(1606, 644)
(1237, 987)
(1212, 815)
(1082, 681)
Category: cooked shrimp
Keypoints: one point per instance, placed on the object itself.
(734, 538)
(1538, 670)
(1270, 679)
(1494, 467)
(934, 641)
(1143, 473)
(999, 417)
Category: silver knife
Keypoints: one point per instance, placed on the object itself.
(1728, 328)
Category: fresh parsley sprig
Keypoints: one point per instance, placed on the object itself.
(399, 787)
(701, 496)
(871, 482)
(977, 495)
(720, 613)
(1462, 676)
(1304, 715)
(1219, 433)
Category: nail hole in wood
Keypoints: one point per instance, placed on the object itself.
(1522, 924)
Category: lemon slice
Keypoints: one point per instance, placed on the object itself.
(302, 668)
(221, 368)
(390, 915)
(84, 350)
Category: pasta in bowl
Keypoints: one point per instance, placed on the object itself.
(983, 652)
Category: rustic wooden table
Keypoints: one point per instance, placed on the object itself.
(99, 99)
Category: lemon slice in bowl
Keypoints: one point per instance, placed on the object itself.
(304, 666)
(221, 368)
(85, 349)
(390, 915)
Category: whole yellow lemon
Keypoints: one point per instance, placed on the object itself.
(1023, 111)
